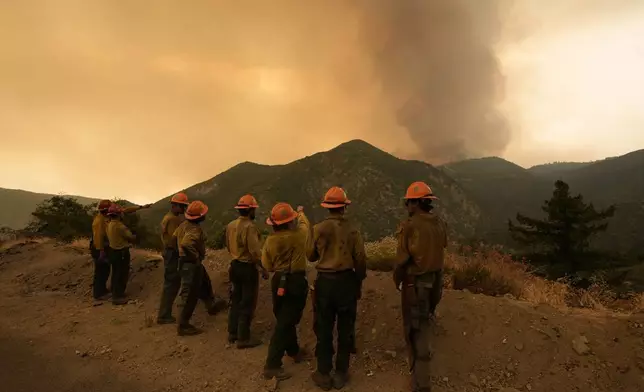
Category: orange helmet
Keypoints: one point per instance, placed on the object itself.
(335, 197)
(419, 190)
(180, 198)
(246, 201)
(104, 205)
(196, 210)
(115, 210)
(280, 214)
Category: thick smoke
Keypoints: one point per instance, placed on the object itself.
(439, 72)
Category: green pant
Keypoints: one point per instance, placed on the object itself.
(244, 279)
(171, 282)
(191, 280)
(336, 300)
(420, 296)
(120, 260)
(288, 313)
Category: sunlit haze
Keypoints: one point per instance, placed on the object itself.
(140, 99)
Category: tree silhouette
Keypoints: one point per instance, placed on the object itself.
(61, 217)
(568, 228)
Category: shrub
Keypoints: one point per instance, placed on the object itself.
(62, 218)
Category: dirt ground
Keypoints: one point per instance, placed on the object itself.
(53, 337)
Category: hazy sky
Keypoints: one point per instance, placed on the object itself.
(137, 99)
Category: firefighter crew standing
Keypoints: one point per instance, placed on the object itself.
(243, 244)
(191, 243)
(422, 239)
(120, 239)
(284, 253)
(171, 274)
(339, 249)
(99, 249)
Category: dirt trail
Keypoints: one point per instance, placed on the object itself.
(53, 338)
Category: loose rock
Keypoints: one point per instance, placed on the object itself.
(519, 346)
(474, 380)
(580, 345)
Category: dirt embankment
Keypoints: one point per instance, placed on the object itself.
(52, 337)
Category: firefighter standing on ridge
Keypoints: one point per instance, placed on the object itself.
(339, 249)
(285, 254)
(120, 239)
(171, 273)
(422, 239)
(191, 244)
(243, 244)
(100, 250)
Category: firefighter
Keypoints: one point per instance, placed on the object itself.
(418, 274)
(120, 239)
(171, 275)
(338, 248)
(284, 253)
(243, 244)
(99, 249)
(191, 244)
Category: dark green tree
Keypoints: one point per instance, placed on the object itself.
(566, 231)
(61, 217)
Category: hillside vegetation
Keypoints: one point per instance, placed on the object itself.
(17, 206)
(374, 180)
(502, 189)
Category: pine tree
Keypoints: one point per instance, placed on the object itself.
(568, 228)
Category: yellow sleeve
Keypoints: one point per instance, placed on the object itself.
(164, 225)
(359, 256)
(267, 260)
(189, 245)
(129, 210)
(228, 235)
(402, 250)
(254, 244)
(311, 246)
(126, 233)
(303, 224)
(98, 234)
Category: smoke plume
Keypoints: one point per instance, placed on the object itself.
(184, 90)
(439, 74)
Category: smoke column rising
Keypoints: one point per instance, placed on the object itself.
(439, 73)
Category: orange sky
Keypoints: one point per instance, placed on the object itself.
(138, 99)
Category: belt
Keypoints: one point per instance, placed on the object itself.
(302, 273)
(335, 274)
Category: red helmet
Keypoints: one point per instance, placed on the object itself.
(335, 197)
(196, 210)
(419, 190)
(246, 202)
(114, 210)
(180, 198)
(280, 214)
(104, 205)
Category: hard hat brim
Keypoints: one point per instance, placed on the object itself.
(195, 217)
(431, 197)
(327, 204)
(246, 207)
(185, 203)
(291, 218)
